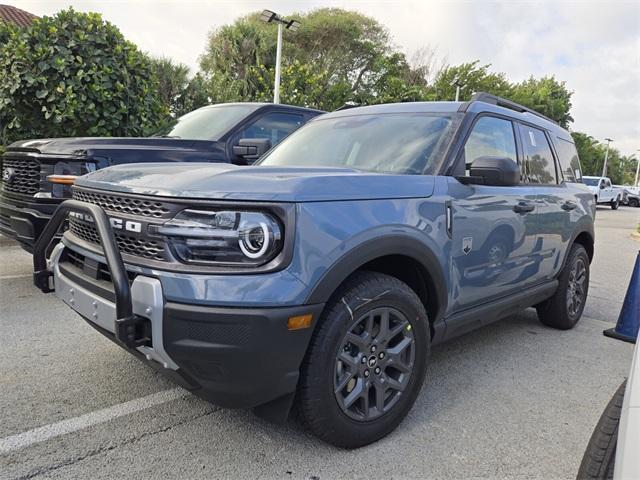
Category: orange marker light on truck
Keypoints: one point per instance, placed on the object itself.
(299, 322)
(62, 179)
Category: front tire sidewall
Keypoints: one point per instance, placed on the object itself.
(329, 422)
(615, 203)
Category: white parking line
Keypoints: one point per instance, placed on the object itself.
(47, 432)
(13, 277)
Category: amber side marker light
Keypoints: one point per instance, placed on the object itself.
(62, 179)
(299, 322)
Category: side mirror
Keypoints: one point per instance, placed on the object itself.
(496, 171)
(251, 148)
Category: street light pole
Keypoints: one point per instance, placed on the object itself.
(269, 17)
(276, 86)
(459, 87)
(606, 157)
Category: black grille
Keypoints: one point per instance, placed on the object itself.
(101, 270)
(121, 204)
(140, 247)
(21, 175)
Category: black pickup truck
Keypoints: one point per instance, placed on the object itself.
(37, 174)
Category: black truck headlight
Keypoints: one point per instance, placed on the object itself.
(223, 238)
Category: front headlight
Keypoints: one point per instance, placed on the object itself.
(223, 238)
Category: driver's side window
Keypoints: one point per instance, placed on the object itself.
(491, 136)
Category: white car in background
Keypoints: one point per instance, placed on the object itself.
(614, 448)
(604, 191)
(630, 195)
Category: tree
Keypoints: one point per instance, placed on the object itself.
(75, 74)
(336, 56)
(193, 96)
(592, 153)
(545, 95)
(173, 79)
(474, 78)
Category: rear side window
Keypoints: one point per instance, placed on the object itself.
(540, 165)
(490, 137)
(569, 162)
(273, 126)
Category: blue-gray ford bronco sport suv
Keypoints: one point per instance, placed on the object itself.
(322, 277)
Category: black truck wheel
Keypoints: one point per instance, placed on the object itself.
(633, 202)
(564, 309)
(366, 361)
(599, 458)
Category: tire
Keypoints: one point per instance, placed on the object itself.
(328, 384)
(558, 312)
(599, 458)
(633, 202)
(615, 203)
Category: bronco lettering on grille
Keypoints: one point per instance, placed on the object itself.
(116, 223)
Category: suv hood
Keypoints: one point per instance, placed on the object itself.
(103, 146)
(258, 183)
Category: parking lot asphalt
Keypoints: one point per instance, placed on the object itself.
(513, 400)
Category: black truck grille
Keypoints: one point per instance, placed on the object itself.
(21, 175)
(139, 247)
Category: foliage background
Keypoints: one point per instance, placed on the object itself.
(74, 74)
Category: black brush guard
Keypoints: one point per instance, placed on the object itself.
(130, 329)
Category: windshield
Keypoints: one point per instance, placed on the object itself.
(592, 182)
(207, 123)
(388, 143)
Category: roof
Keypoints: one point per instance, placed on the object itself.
(405, 107)
(258, 105)
(16, 16)
(473, 106)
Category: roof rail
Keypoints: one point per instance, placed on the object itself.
(347, 106)
(502, 102)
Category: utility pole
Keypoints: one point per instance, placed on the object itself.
(606, 157)
(269, 17)
(276, 86)
(635, 182)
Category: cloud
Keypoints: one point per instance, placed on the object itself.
(593, 46)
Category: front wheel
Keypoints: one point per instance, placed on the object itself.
(565, 308)
(366, 362)
(615, 203)
(633, 202)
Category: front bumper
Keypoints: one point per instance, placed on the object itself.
(24, 220)
(234, 357)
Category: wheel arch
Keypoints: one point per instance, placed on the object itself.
(586, 239)
(403, 257)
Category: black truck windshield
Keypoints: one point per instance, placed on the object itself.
(387, 143)
(207, 123)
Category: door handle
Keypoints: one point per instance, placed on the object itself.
(523, 207)
(568, 206)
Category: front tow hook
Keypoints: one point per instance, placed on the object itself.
(134, 331)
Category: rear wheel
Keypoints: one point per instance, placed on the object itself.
(366, 362)
(564, 309)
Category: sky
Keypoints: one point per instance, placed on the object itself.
(593, 46)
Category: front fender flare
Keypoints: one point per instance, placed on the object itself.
(406, 243)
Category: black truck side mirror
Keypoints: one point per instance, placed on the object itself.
(251, 148)
(496, 171)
